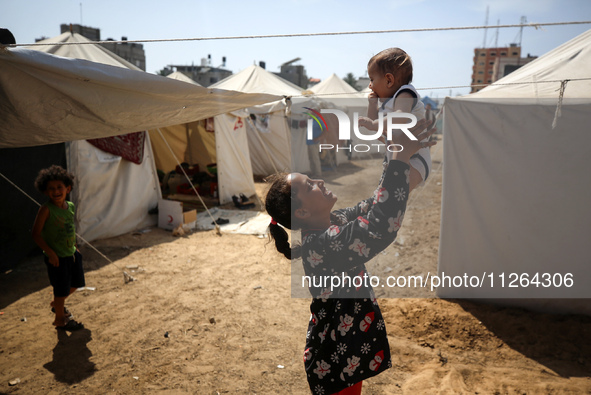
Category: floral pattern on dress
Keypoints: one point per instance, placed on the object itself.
(395, 223)
(347, 341)
(359, 247)
(314, 259)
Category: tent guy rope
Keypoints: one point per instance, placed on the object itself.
(454, 87)
(127, 277)
(558, 112)
(217, 227)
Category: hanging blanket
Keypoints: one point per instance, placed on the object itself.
(128, 146)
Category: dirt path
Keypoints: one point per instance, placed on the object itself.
(211, 314)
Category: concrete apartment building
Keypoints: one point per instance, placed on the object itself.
(296, 74)
(492, 64)
(205, 74)
(504, 66)
(484, 61)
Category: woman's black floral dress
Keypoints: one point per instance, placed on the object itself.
(346, 340)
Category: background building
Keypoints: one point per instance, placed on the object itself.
(205, 74)
(132, 52)
(295, 74)
(504, 66)
(362, 83)
(484, 60)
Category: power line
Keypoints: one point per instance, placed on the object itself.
(433, 29)
(454, 87)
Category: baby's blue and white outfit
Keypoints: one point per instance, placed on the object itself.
(421, 161)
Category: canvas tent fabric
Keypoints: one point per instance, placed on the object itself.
(47, 99)
(65, 46)
(256, 79)
(122, 100)
(226, 146)
(177, 75)
(124, 202)
(112, 195)
(516, 191)
(269, 137)
(338, 88)
(568, 61)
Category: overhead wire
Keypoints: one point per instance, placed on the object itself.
(452, 87)
(292, 35)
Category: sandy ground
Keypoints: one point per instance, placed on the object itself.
(213, 314)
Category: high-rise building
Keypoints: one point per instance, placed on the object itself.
(484, 61)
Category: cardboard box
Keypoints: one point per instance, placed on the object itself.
(172, 213)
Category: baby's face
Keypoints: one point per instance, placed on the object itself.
(379, 82)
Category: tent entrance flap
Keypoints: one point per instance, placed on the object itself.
(255, 132)
(220, 140)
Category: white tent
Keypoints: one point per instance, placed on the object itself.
(48, 99)
(272, 147)
(335, 87)
(516, 191)
(192, 143)
(177, 75)
(68, 46)
(344, 96)
(123, 203)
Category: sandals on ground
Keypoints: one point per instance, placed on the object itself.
(67, 312)
(242, 202)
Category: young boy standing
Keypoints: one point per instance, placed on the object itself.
(54, 231)
(390, 75)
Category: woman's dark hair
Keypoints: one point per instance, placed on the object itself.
(281, 204)
(6, 37)
(53, 173)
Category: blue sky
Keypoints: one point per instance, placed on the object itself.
(440, 58)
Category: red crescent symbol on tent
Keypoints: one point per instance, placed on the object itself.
(170, 219)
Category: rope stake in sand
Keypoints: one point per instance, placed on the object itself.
(126, 276)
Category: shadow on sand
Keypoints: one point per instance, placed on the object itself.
(30, 275)
(562, 343)
(71, 357)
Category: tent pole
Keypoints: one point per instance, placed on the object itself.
(188, 133)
